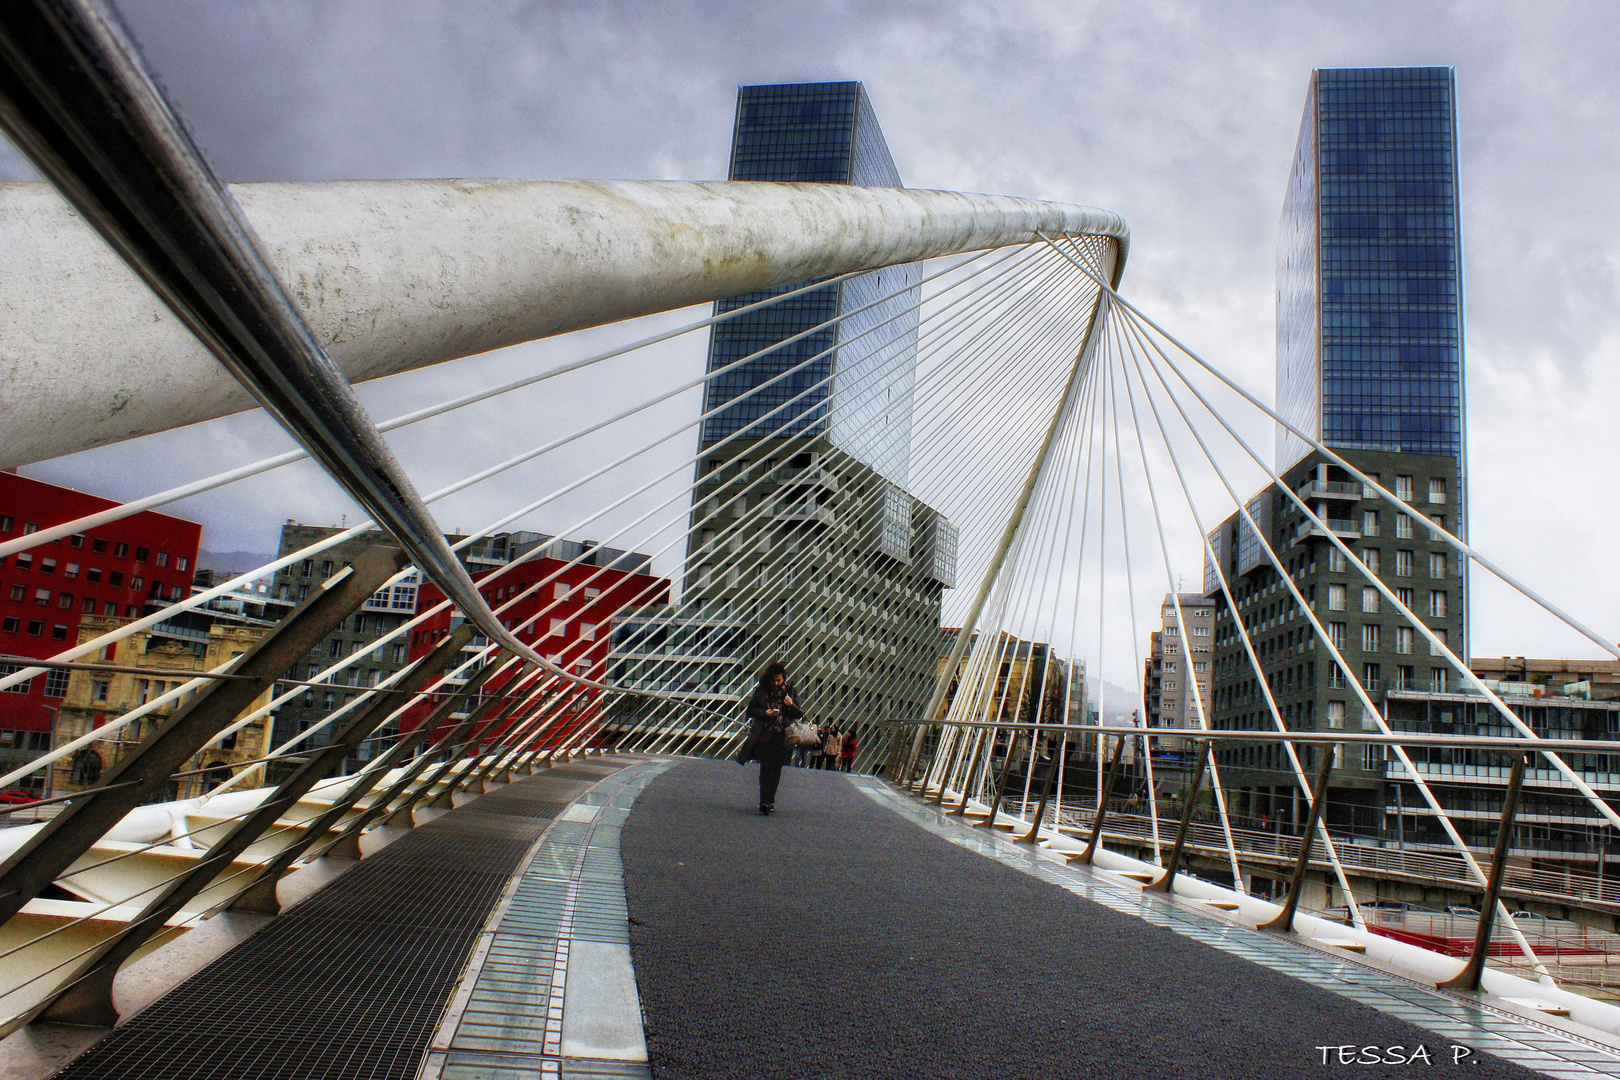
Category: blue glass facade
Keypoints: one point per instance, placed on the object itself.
(1369, 304)
(859, 395)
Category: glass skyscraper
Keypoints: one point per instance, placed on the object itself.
(802, 526)
(1369, 281)
(1370, 363)
(823, 133)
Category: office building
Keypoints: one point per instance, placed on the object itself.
(805, 544)
(124, 569)
(1370, 363)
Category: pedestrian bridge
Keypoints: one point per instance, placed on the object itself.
(554, 871)
(633, 915)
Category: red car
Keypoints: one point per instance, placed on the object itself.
(17, 796)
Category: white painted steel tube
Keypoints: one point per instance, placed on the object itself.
(400, 274)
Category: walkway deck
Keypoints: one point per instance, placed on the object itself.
(854, 933)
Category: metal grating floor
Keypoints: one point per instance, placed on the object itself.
(509, 1026)
(350, 984)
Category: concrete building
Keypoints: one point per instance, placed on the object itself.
(123, 569)
(1370, 362)
(565, 612)
(93, 698)
(1180, 655)
(806, 467)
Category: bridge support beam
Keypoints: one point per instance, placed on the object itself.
(1284, 922)
(1468, 978)
(1167, 884)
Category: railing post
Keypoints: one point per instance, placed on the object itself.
(1092, 845)
(1468, 978)
(1001, 785)
(1033, 835)
(1284, 922)
(1167, 883)
(141, 774)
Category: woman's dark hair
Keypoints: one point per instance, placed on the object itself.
(772, 670)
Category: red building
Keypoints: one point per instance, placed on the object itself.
(564, 613)
(121, 569)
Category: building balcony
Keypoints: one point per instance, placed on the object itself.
(815, 474)
(1330, 489)
(803, 511)
(1343, 528)
(1495, 775)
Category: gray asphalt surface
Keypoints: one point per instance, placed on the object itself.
(836, 939)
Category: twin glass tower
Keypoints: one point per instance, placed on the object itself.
(805, 544)
(1370, 364)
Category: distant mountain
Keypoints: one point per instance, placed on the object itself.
(231, 562)
(1119, 702)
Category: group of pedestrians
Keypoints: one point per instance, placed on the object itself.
(836, 751)
(773, 712)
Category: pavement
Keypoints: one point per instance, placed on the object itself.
(837, 938)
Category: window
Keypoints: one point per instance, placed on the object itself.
(326, 568)
(1337, 597)
(42, 596)
(130, 611)
(100, 689)
(1336, 634)
(1437, 533)
(1372, 677)
(6, 523)
(396, 654)
(1404, 596)
(1441, 634)
(141, 554)
(1369, 556)
(76, 540)
(47, 566)
(559, 591)
(12, 624)
(93, 574)
(1370, 637)
(1437, 489)
(36, 627)
(19, 592)
(56, 683)
(1169, 665)
(137, 583)
(115, 579)
(1403, 639)
(25, 561)
(1369, 523)
(1437, 564)
(71, 570)
(587, 631)
(30, 527)
(1438, 677)
(182, 563)
(64, 600)
(1403, 488)
(559, 627)
(1403, 564)
(110, 608)
(1169, 684)
(592, 594)
(163, 558)
(1405, 677)
(1437, 604)
(1335, 714)
(1171, 631)
(1200, 631)
(1200, 665)
(1371, 600)
(99, 545)
(1336, 561)
(1403, 527)
(21, 688)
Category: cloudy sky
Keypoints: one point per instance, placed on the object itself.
(1182, 116)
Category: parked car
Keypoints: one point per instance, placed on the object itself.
(17, 796)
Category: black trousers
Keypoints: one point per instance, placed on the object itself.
(770, 775)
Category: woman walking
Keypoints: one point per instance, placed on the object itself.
(772, 708)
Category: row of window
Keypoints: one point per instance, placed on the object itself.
(1372, 635)
(56, 682)
(100, 545)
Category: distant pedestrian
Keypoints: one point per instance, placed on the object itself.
(848, 756)
(771, 709)
(832, 748)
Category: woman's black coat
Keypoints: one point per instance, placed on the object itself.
(760, 723)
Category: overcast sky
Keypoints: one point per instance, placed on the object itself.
(1180, 116)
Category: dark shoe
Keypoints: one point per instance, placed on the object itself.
(765, 808)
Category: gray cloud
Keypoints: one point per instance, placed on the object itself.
(1182, 116)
